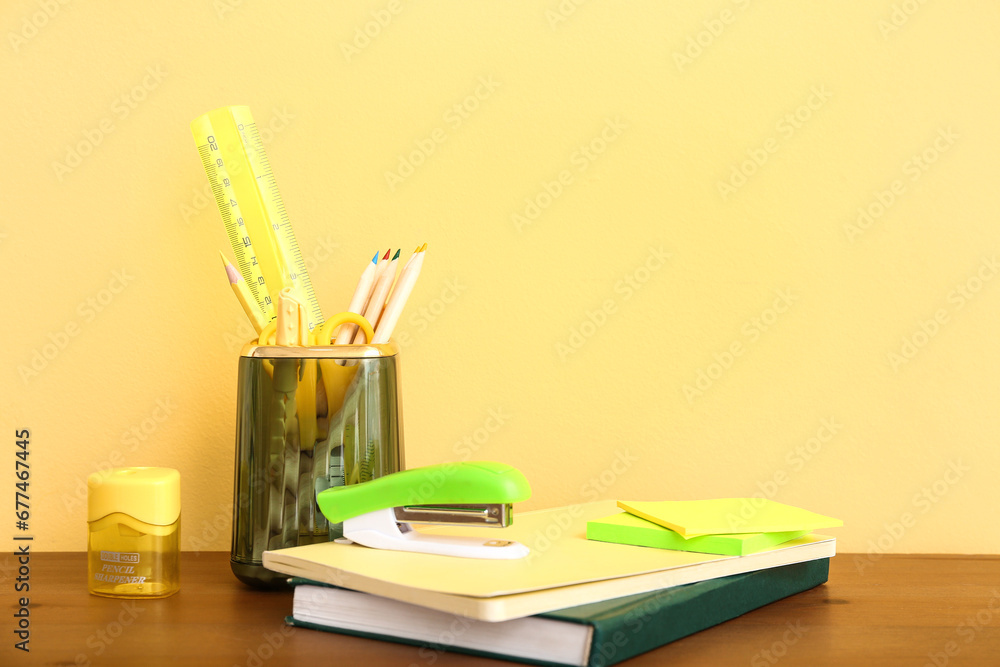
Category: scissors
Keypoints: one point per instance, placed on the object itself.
(336, 378)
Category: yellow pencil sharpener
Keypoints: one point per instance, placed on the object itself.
(133, 540)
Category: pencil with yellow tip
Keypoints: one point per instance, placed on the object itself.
(406, 266)
(242, 293)
(412, 255)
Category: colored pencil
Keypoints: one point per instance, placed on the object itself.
(362, 293)
(397, 301)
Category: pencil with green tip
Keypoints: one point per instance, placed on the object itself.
(242, 293)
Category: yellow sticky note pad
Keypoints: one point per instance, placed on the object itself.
(727, 516)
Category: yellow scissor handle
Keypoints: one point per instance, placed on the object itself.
(267, 333)
(326, 331)
(324, 335)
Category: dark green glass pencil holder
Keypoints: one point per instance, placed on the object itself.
(308, 418)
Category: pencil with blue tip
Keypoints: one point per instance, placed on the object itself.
(362, 293)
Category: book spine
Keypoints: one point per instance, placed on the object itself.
(425, 651)
(661, 619)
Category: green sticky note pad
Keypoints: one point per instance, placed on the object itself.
(627, 528)
(728, 516)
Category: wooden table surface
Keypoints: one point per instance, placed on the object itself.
(897, 610)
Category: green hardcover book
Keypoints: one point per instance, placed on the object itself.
(591, 635)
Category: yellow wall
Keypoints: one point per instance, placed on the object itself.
(695, 308)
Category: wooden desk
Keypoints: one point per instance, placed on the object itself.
(902, 610)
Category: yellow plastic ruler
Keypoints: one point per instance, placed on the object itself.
(238, 170)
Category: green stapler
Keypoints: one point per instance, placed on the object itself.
(378, 513)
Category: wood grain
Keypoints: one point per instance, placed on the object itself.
(897, 610)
